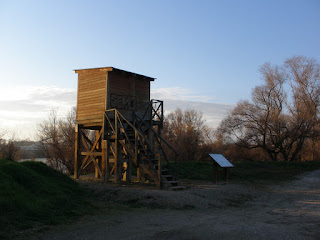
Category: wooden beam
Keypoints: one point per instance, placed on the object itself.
(97, 159)
(92, 148)
(92, 153)
(117, 160)
(103, 159)
(108, 175)
(77, 155)
(95, 163)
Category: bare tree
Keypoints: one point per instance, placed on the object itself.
(304, 77)
(57, 138)
(9, 148)
(271, 121)
(187, 133)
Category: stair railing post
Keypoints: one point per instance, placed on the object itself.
(103, 160)
(97, 159)
(116, 149)
(136, 154)
(108, 161)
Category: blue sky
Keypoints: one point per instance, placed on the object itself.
(198, 50)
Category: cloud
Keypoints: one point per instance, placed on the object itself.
(179, 93)
(36, 99)
(24, 107)
(178, 97)
(213, 113)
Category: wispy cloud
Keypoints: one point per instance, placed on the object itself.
(179, 93)
(213, 113)
(36, 99)
(24, 107)
(178, 97)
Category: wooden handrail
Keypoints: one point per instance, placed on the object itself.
(141, 136)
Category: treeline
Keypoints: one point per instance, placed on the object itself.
(12, 149)
(9, 149)
(279, 123)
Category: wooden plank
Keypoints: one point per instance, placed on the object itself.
(103, 158)
(84, 119)
(91, 153)
(97, 99)
(108, 174)
(93, 113)
(77, 156)
(90, 120)
(92, 125)
(91, 87)
(92, 83)
(92, 91)
(83, 103)
(92, 107)
(91, 150)
(116, 154)
(91, 78)
(89, 105)
(87, 123)
(98, 136)
(97, 111)
(94, 70)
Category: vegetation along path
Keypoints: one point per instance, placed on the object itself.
(204, 211)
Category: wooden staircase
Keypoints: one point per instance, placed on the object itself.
(138, 143)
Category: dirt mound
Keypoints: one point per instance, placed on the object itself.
(201, 196)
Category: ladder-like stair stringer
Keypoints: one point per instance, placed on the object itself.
(144, 152)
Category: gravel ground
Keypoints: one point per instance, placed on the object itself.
(203, 211)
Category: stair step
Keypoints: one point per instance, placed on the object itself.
(177, 188)
(173, 182)
(168, 176)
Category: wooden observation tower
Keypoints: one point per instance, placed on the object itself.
(128, 126)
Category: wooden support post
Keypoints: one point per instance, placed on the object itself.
(226, 174)
(108, 161)
(138, 174)
(117, 160)
(127, 173)
(103, 159)
(77, 153)
(129, 170)
(97, 159)
(125, 166)
(136, 152)
(215, 173)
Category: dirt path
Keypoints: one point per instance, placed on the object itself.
(287, 211)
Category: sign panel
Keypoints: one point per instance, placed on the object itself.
(221, 160)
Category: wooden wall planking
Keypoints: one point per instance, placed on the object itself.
(91, 95)
(129, 91)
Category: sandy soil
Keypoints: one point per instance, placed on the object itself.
(203, 211)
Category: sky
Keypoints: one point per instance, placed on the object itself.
(200, 51)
